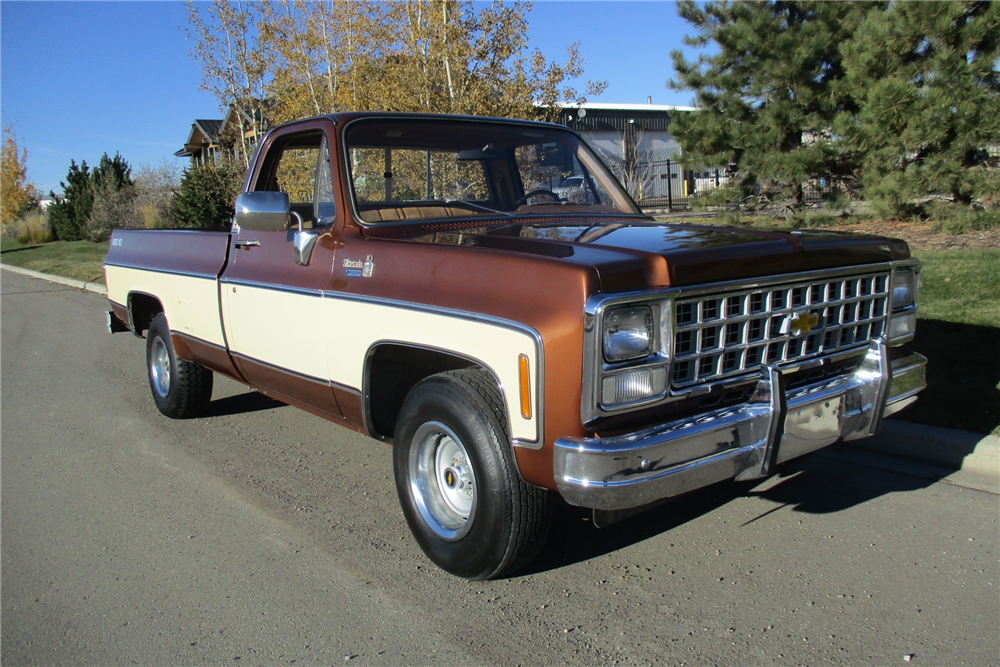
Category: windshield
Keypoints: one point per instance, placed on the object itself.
(418, 169)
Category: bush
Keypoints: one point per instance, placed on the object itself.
(32, 229)
(155, 188)
(958, 219)
(811, 219)
(114, 208)
(207, 196)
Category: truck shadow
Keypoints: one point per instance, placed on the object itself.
(251, 401)
(817, 484)
(963, 376)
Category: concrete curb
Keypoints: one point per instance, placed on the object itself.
(97, 288)
(971, 460)
(976, 457)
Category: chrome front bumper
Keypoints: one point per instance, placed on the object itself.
(741, 442)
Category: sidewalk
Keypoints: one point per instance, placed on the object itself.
(958, 457)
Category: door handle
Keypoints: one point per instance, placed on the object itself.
(245, 245)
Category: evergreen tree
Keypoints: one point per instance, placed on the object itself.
(112, 173)
(114, 199)
(769, 98)
(928, 91)
(69, 214)
(207, 196)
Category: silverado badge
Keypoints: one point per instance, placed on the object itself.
(355, 268)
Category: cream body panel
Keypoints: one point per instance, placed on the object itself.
(190, 303)
(356, 326)
(282, 329)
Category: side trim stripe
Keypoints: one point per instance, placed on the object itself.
(172, 272)
(271, 287)
(301, 376)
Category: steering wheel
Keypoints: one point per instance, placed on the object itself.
(535, 193)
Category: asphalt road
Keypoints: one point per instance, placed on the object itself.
(260, 534)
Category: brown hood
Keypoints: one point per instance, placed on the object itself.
(638, 254)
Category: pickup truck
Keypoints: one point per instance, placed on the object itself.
(486, 297)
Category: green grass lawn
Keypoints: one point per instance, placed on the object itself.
(958, 328)
(73, 259)
(961, 286)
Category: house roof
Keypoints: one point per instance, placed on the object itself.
(204, 132)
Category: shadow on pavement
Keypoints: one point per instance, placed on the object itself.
(251, 401)
(815, 484)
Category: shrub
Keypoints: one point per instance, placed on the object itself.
(207, 196)
(114, 208)
(155, 188)
(958, 219)
(32, 229)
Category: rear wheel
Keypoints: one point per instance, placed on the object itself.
(458, 484)
(181, 389)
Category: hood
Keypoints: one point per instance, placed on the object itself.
(636, 254)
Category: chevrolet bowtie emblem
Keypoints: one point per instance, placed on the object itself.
(797, 324)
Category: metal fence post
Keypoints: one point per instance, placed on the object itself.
(670, 193)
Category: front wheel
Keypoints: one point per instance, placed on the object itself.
(181, 389)
(458, 485)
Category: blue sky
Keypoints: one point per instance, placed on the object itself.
(80, 79)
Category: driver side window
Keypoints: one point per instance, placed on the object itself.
(299, 166)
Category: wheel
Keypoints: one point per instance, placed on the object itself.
(457, 481)
(181, 389)
(537, 193)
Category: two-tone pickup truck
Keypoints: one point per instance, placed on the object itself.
(433, 282)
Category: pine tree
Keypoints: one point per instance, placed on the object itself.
(769, 98)
(69, 214)
(114, 199)
(929, 96)
(207, 196)
(112, 173)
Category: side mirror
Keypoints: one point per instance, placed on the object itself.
(303, 242)
(263, 211)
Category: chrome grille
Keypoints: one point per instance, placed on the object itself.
(726, 335)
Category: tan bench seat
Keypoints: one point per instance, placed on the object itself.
(382, 213)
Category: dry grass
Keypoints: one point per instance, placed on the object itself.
(31, 229)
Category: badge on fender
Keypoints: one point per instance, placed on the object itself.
(355, 268)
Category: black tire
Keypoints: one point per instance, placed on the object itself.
(452, 433)
(181, 389)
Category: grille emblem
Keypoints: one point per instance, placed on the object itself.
(799, 323)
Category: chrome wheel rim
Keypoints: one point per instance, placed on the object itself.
(159, 367)
(442, 481)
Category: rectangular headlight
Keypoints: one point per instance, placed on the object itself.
(628, 333)
(903, 318)
(904, 288)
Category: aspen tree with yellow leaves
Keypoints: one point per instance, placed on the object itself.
(291, 59)
(16, 193)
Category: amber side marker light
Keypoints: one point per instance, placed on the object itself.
(525, 387)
